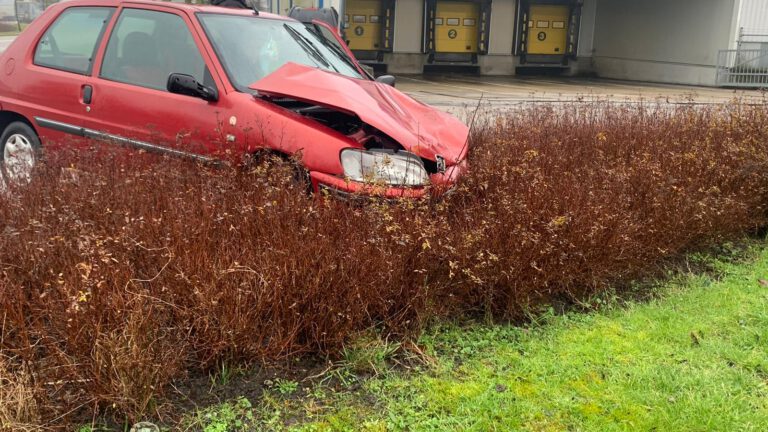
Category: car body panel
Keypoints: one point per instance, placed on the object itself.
(117, 107)
(33, 90)
(236, 124)
(419, 128)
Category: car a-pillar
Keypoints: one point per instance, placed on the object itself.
(368, 29)
(547, 34)
(455, 33)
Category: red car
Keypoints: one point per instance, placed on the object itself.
(206, 83)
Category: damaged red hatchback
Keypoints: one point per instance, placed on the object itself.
(204, 82)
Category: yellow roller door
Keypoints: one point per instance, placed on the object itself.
(362, 23)
(547, 29)
(456, 27)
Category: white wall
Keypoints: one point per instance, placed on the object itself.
(409, 25)
(502, 27)
(499, 60)
(753, 16)
(283, 6)
(587, 28)
(673, 41)
(753, 19)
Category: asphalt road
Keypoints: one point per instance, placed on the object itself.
(462, 93)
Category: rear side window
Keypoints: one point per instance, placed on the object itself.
(70, 43)
(147, 46)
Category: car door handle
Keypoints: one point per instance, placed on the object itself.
(87, 94)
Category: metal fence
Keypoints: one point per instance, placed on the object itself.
(17, 14)
(746, 68)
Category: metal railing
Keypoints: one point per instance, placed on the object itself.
(746, 68)
(15, 15)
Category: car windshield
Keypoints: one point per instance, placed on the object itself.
(251, 48)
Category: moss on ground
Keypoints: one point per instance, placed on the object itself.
(695, 359)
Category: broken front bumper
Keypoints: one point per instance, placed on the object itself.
(440, 183)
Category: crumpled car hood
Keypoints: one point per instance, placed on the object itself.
(419, 128)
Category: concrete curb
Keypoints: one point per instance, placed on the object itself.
(5, 41)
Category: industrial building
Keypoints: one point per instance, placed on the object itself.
(671, 41)
(700, 42)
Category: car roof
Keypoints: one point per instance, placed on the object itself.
(180, 6)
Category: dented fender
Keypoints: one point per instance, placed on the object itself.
(417, 127)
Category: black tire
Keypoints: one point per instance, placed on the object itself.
(22, 133)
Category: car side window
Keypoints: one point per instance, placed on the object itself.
(147, 46)
(70, 43)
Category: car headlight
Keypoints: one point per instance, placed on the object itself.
(381, 166)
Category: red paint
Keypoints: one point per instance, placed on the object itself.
(416, 126)
(196, 126)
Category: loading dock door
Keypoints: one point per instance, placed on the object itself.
(456, 26)
(548, 29)
(362, 25)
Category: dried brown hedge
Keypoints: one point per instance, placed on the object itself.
(129, 271)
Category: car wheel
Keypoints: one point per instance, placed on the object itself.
(19, 152)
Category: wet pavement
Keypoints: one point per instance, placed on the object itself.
(457, 93)
(4, 42)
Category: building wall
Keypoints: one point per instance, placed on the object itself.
(407, 56)
(499, 60)
(583, 63)
(752, 24)
(502, 27)
(674, 41)
(409, 21)
(661, 40)
(753, 17)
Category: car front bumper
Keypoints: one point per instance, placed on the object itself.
(344, 188)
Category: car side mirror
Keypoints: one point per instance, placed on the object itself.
(386, 79)
(187, 85)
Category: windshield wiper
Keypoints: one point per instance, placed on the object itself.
(335, 48)
(306, 44)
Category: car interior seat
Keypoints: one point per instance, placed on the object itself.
(140, 62)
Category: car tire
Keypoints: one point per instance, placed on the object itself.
(19, 153)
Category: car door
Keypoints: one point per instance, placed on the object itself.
(131, 105)
(55, 83)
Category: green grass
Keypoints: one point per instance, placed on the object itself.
(231, 416)
(695, 359)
